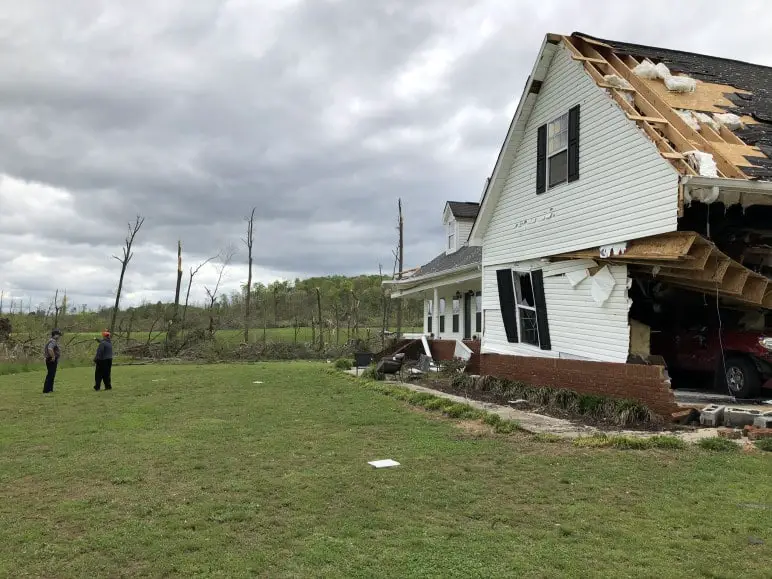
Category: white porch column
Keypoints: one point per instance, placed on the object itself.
(436, 313)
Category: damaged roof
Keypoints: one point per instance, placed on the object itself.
(466, 256)
(464, 209)
(754, 80)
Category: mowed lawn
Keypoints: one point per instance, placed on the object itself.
(196, 470)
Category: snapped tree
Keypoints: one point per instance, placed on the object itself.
(124, 261)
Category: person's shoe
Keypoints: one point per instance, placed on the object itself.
(96, 388)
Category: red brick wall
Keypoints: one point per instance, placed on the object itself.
(635, 381)
(444, 350)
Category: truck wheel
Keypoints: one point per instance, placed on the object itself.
(742, 378)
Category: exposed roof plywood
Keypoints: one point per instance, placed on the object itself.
(708, 98)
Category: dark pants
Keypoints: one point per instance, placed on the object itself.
(102, 372)
(48, 385)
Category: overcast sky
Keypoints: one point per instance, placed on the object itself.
(320, 113)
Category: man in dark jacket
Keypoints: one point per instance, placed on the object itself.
(52, 353)
(104, 362)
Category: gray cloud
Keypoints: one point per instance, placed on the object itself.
(319, 113)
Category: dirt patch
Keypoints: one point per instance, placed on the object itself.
(474, 428)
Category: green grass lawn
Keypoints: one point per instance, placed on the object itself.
(195, 470)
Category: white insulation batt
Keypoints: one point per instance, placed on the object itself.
(703, 163)
(616, 81)
(647, 69)
(688, 118)
(707, 120)
(730, 120)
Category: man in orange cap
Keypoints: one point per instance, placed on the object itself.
(104, 362)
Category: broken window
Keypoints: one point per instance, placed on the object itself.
(478, 312)
(526, 308)
(456, 314)
(557, 151)
(442, 315)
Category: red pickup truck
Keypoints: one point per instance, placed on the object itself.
(746, 366)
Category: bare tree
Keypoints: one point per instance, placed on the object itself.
(319, 310)
(227, 256)
(193, 272)
(124, 261)
(175, 316)
(249, 242)
(400, 263)
(56, 308)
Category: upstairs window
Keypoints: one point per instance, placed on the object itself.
(451, 236)
(557, 151)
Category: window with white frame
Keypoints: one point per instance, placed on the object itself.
(429, 313)
(557, 151)
(451, 236)
(478, 312)
(526, 308)
(442, 315)
(456, 314)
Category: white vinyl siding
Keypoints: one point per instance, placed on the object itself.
(625, 190)
(579, 328)
(464, 227)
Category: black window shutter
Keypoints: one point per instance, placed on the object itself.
(541, 159)
(573, 144)
(507, 303)
(541, 310)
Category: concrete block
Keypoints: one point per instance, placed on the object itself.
(712, 415)
(764, 420)
(730, 433)
(739, 417)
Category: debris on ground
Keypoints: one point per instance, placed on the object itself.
(385, 463)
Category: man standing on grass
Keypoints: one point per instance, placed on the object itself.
(104, 362)
(52, 353)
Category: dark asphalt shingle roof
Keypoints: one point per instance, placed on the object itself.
(464, 209)
(755, 78)
(467, 255)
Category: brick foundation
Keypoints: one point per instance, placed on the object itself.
(634, 381)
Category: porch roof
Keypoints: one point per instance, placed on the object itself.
(466, 258)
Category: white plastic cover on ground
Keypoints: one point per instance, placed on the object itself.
(688, 118)
(646, 69)
(680, 84)
(703, 163)
(616, 81)
(576, 277)
(730, 120)
(706, 120)
(385, 463)
(602, 285)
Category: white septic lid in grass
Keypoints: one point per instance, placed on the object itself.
(383, 463)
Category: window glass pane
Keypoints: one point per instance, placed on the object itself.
(442, 306)
(524, 290)
(478, 322)
(450, 241)
(557, 135)
(558, 169)
(478, 301)
(429, 307)
(529, 332)
(455, 323)
(456, 306)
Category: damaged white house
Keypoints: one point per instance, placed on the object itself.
(634, 186)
